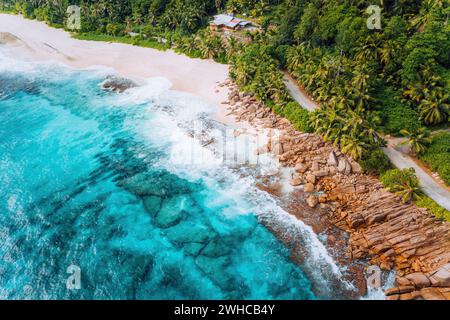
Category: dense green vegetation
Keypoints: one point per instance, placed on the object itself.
(405, 184)
(366, 81)
(396, 115)
(418, 139)
(432, 207)
(148, 43)
(375, 162)
(437, 155)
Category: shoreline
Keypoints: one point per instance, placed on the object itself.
(349, 208)
(35, 40)
(382, 230)
(217, 87)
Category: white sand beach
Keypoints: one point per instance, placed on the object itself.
(37, 41)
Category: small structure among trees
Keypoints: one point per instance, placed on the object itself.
(228, 22)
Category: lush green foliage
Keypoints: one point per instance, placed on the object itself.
(395, 114)
(148, 43)
(298, 116)
(342, 64)
(398, 117)
(418, 139)
(375, 162)
(6, 7)
(263, 78)
(432, 207)
(437, 155)
(325, 45)
(353, 130)
(403, 183)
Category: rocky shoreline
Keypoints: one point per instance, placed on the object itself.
(382, 230)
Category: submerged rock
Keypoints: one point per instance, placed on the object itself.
(216, 248)
(152, 204)
(216, 270)
(189, 232)
(173, 210)
(117, 84)
(159, 184)
(142, 263)
(193, 248)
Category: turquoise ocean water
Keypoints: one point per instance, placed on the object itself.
(87, 178)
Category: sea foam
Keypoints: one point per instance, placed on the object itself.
(182, 125)
(185, 121)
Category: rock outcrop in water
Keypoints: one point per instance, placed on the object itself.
(383, 230)
(117, 84)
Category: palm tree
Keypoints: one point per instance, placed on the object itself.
(295, 57)
(352, 146)
(435, 108)
(388, 51)
(260, 8)
(137, 19)
(369, 51)
(276, 88)
(98, 9)
(232, 47)
(128, 24)
(426, 13)
(404, 183)
(352, 130)
(407, 190)
(417, 140)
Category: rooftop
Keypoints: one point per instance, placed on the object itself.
(229, 21)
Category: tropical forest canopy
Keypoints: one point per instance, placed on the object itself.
(394, 80)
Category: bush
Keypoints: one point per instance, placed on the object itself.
(280, 53)
(115, 29)
(296, 115)
(391, 178)
(27, 10)
(403, 183)
(398, 116)
(433, 208)
(437, 155)
(375, 162)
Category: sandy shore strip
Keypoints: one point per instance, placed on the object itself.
(35, 40)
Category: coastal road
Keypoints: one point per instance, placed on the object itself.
(298, 94)
(429, 186)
